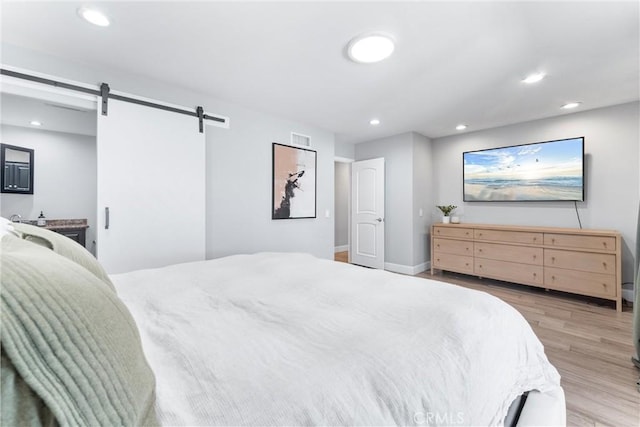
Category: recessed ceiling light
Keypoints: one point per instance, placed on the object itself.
(534, 78)
(370, 48)
(94, 16)
(374, 122)
(35, 123)
(461, 127)
(570, 105)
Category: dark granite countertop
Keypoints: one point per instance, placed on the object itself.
(60, 224)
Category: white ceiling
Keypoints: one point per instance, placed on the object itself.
(455, 62)
(54, 116)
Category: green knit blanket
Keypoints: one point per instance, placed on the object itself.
(71, 341)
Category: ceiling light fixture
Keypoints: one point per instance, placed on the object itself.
(534, 78)
(461, 127)
(94, 16)
(374, 122)
(570, 105)
(35, 123)
(370, 48)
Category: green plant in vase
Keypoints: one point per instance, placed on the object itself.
(446, 212)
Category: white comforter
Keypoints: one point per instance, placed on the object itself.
(288, 339)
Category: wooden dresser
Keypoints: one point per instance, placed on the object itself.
(585, 262)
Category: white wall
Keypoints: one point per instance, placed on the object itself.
(422, 198)
(239, 191)
(341, 203)
(238, 162)
(346, 151)
(64, 177)
(611, 148)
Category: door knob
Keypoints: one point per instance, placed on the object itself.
(379, 219)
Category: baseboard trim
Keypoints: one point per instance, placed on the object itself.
(342, 248)
(421, 267)
(407, 269)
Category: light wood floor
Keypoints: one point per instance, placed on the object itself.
(590, 345)
(342, 256)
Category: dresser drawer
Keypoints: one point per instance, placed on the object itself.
(580, 282)
(459, 263)
(462, 233)
(606, 243)
(581, 261)
(525, 237)
(510, 271)
(459, 247)
(521, 254)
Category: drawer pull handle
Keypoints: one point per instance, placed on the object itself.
(535, 274)
(553, 241)
(604, 244)
(479, 250)
(466, 234)
(480, 266)
(535, 238)
(553, 259)
(604, 285)
(604, 265)
(438, 246)
(467, 264)
(553, 277)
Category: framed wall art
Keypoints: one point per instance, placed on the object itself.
(294, 182)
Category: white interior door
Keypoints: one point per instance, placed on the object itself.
(367, 213)
(151, 178)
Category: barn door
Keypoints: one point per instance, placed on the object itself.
(151, 195)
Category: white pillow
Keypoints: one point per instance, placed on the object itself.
(6, 227)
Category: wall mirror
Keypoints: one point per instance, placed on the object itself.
(17, 169)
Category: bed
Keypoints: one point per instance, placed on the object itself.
(270, 339)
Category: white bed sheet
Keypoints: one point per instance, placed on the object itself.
(289, 339)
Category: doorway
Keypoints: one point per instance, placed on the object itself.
(342, 194)
(61, 131)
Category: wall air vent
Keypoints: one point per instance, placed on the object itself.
(299, 139)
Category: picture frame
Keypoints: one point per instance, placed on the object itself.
(294, 182)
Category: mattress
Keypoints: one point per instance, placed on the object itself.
(289, 339)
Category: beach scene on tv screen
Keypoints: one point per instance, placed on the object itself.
(542, 171)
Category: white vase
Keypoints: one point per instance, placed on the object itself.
(446, 219)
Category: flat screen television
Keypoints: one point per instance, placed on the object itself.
(543, 171)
